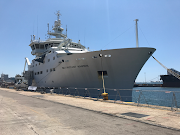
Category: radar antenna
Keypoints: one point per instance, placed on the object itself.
(58, 14)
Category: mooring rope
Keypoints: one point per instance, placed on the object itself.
(169, 70)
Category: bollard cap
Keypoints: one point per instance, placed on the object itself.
(104, 94)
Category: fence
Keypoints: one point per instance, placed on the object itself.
(162, 99)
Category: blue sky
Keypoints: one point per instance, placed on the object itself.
(96, 23)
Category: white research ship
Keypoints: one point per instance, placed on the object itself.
(60, 62)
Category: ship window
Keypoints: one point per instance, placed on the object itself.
(39, 63)
(36, 64)
(41, 46)
(53, 69)
(41, 72)
(48, 60)
(107, 55)
(104, 73)
(53, 58)
(32, 47)
(35, 73)
(50, 70)
(47, 70)
(37, 46)
(38, 73)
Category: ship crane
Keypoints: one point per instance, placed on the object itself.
(26, 62)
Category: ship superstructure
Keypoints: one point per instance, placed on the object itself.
(60, 62)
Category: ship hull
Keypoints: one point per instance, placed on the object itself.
(84, 70)
(170, 81)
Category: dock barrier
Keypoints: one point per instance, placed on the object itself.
(162, 99)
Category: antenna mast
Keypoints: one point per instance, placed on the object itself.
(66, 30)
(48, 27)
(137, 43)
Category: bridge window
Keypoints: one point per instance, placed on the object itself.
(32, 47)
(41, 46)
(37, 46)
(53, 69)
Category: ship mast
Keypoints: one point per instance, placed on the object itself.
(137, 43)
(57, 28)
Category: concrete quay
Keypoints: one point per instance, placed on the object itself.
(156, 117)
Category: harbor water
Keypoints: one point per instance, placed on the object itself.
(161, 96)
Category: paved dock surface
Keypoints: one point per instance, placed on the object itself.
(32, 113)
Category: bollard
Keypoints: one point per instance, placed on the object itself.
(105, 96)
